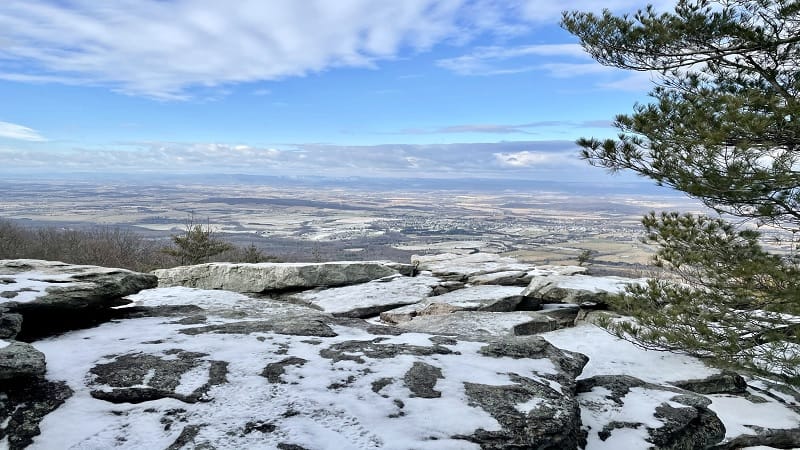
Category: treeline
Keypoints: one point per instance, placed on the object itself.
(115, 247)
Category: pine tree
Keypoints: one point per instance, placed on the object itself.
(723, 126)
(197, 244)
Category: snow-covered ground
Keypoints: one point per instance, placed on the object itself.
(609, 355)
(304, 409)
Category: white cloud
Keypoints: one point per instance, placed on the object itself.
(19, 132)
(163, 48)
(526, 159)
(494, 60)
(557, 60)
(496, 128)
(556, 159)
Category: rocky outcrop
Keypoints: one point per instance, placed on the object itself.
(45, 297)
(271, 277)
(42, 298)
(613, 408)
(182, 367)
(139, 377)
(504, 278)
(534, 412)
(33, 284)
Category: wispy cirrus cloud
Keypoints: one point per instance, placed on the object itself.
(506, 60)
(523, 128)
(163, 49)
(564, 60)
(168, 49)
(18, 132)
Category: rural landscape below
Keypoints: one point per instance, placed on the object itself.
(323, 220)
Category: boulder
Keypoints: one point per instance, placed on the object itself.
(482, 325)
(52, 297)
(721, 383)
(575, 289)
(10, 324)
(620, 411)
(372, 298)
(271, 277)
(33, 284)
(20, 360)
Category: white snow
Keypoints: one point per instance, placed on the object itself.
(4, 344)
(638, 406)
(739, 414)
(397, 290)
(187, 296)
(612, 285)
(609, 355)
(32, 285)
(472, 296)
(526, 407)
(351, 416)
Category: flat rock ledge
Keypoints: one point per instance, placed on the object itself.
(40, 298)
(271, 277)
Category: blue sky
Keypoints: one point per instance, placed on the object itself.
(432, 88)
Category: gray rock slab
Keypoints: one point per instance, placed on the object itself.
(372, 298)
(482, 325)
(505, 278)
(472, 298)
(40, 284)
(266, 277)
(576, 289)
(722, 383)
